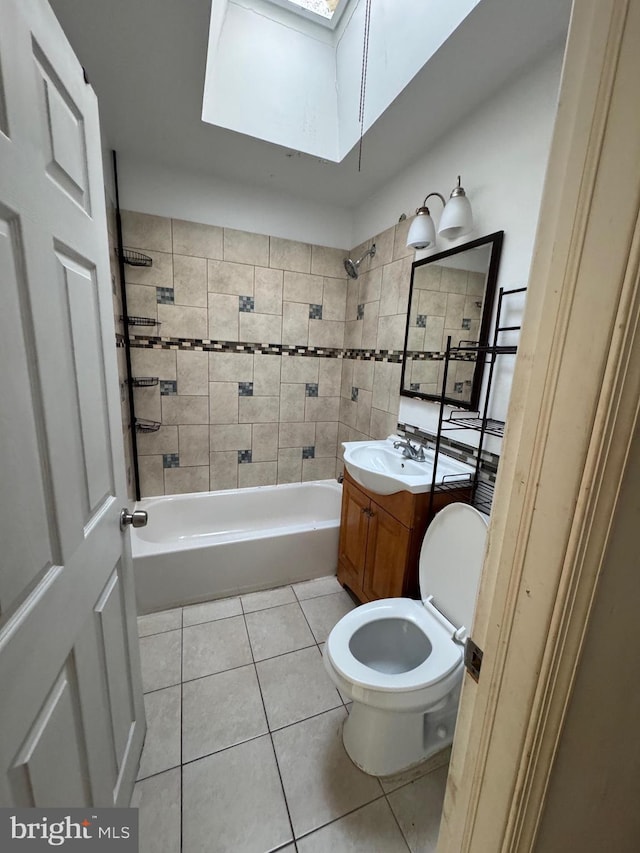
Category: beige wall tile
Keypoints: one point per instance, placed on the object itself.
(415, 341)
(300, 368)
(223, 402)
(432, 302)
(326, 333)
(181, 409)
(383, 424)
(243, 247)
(194, 445)
(153, 362)
(317, 469)
(179, 321)
(258, 410)
(142, 301)
(193, 238)
(384, 248)
(165, 440)
(223, 470)
(151, 476)
(476, 283)
(292, 397)
(347, 377)
(268, 286)
(381, 385)
(334, 299)
(143, 231)
(363, 374)
(299, 287)
(453, 280)
(223, 317)
(266, 375)
(391, 286)
(224, 277)
(348, 411)
(353, 333)
(264, 442)
(290, 465)
(327, 261)
(230, 437)
(260, 328)
(369, 339)
(290, 255)
(369, 286)
(330, 377)
(231, 367)
(433, 334)
(455, 310)
(190, 281)
(400, 249)
(182, 481)
(391, 332)
(326, 438)
(257, 474)
(159, 274)
(322, 409)
(297, 435)
(353, 298)
(193, 372)
(147, 403)
(363, 416)
(295, 323)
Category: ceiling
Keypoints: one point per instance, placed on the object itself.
(146, 61)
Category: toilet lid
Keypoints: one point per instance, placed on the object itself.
(451, 562)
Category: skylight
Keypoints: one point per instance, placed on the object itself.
(326, 12)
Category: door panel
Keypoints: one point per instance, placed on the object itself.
(387, 551)
(71, 716)
(352, 546)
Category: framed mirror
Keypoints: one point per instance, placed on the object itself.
(451, 294)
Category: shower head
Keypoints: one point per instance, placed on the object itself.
(353, 267)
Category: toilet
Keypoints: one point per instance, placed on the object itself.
(401, 661)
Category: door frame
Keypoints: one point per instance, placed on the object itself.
(571, 418)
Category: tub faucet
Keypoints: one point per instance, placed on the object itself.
(410, 451)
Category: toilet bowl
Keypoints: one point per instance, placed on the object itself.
(401, 661)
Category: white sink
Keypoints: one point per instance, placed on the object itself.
(381, 468)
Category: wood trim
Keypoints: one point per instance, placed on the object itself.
(572, 414)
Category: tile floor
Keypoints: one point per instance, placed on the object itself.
(244, 750)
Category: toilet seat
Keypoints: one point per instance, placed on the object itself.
(445, 655)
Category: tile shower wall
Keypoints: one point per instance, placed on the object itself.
(247, 349)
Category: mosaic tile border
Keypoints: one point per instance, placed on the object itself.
(457, 449)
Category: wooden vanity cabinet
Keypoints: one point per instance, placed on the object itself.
(381, 537)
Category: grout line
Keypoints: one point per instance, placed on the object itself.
(404, 837)
(346, 814)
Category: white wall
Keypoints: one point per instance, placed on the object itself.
(149, 188)
(501, 151)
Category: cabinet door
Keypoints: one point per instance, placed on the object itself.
(353, 537)
(386, 559)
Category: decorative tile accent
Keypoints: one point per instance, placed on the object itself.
(421, 321)
(170, 460)
(414, 386)
(466, 323)
(311, 389)
(308, 453)
(168, 387)
(245, 389)
(360, 312)
(354, 394)
(244, 456)
(246, 304)
(458, 387)
(315, 312)
(164, 295)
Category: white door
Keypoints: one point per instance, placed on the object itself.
(71, 709)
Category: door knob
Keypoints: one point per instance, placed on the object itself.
(137, 518)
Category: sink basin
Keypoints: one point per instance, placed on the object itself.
(381, 468)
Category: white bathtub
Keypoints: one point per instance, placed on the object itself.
(213, 544)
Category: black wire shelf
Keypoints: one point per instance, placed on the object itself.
(143, 425)
(140, 321)
(144, 381)
(466, 420)
(136, 259)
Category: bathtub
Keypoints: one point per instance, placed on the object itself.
(213, 544)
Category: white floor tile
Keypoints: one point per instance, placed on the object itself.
(371, 829)
(318, 586)
(418, 808)
(323, 612)
(211, 610)
(440, 759)
(320, 781)
(233, 801)
(160, 659)
(220, 711)
(162, 743)
(268, 598)
(159, 812)
(277, 631)
(214, 647)
(156, 623)
(295, 686)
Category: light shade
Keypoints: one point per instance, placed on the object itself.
(456, 219)
(422, 232)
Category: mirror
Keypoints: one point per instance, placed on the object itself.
(451, 294)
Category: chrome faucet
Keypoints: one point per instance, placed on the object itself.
(410, 451)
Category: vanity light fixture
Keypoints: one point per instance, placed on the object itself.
(456, 220)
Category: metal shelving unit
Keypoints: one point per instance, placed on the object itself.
(482, 491)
